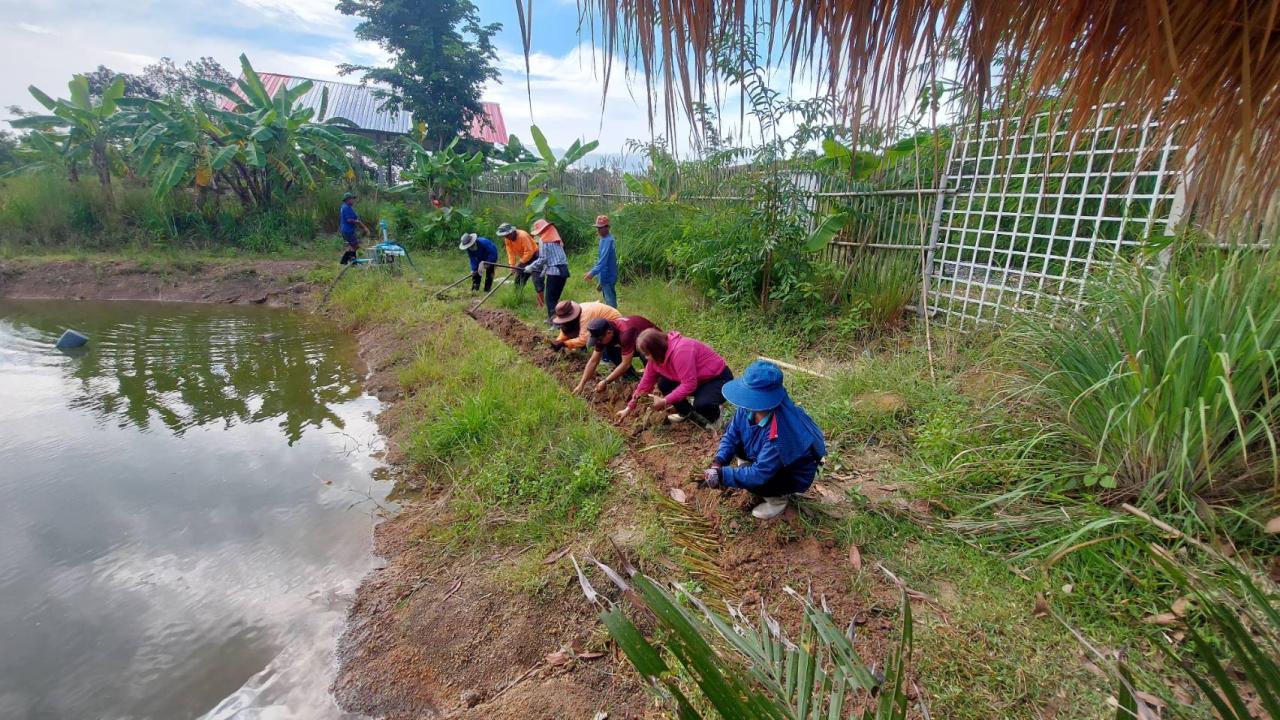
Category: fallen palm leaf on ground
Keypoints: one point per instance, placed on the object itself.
(744, 668)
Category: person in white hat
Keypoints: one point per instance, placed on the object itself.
(483, 253)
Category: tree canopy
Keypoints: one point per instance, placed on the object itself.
(441, 57)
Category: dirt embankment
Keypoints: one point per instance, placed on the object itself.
(435, 634)
(270, 282)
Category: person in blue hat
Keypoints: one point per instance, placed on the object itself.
(780, 444)
(481, 251)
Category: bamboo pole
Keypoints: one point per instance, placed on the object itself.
(797, 368)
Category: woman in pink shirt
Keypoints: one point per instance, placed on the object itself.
(687, 371)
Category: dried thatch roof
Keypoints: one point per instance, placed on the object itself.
(1216, 61)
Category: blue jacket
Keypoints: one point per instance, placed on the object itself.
(788, 447)
(606, 267)
(347, 218)
(483, 251)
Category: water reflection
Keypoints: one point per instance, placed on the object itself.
(198, 365)
(177, 530)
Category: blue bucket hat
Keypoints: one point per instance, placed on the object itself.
(759, 388)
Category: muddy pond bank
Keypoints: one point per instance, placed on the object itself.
(278, 283)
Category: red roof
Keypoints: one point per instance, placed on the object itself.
(357, 103)
(494, 131)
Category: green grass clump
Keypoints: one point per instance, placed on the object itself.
(522, 461)
(1169, 383)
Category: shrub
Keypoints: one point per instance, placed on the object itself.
(1170, 382)
(881, 284)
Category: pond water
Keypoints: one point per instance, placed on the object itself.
(186, 508)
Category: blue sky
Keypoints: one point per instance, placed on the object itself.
(49, 40)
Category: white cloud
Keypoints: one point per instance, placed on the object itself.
(133, 62)
(35, 29)
(566, 92)
(301, 15)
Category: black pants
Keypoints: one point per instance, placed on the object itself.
(706, 400)
(488, 278)
(522, 277)
(612, 354)
(555, 286)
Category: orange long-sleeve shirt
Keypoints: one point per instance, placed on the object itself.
(590, 311)
(520, 248)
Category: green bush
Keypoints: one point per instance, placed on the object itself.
(646, 232)
(44, 210)
(1170, 382)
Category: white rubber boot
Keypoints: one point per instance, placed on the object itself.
(771, 508)
(676, 417)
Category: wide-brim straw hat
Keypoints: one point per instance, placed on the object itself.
(566, 312)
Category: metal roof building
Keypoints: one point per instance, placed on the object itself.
(358, 104)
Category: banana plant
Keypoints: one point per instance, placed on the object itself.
(548, 173)
(444, 173)
(176, 145)
(78, 128)
(269, 144)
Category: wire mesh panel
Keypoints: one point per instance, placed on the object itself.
(1032, 213)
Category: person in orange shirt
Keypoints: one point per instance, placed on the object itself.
(522, 249)
(572, 319)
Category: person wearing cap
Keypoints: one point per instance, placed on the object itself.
(780, 445)
(613, 341)
(552, 265)
(605, 270)
(521, 250)
(348, 221)
(481, 251)
(689, 372)
(572, 319)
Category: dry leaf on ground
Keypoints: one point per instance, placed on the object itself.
(855, 558)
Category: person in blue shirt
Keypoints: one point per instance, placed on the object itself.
(781, 445)
(348, 220)
(605, 270)
(481, 251)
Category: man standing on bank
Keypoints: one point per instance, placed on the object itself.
(605, 270)
(780, 443)
(482, 252)
(347, 222)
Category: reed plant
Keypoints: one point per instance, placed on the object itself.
(1167, 382)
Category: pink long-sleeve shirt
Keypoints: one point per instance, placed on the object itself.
(688, 362)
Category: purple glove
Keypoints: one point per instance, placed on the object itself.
(711, 478)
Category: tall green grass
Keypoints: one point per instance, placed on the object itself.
(44, 211)
(1168, 382)
(878, 284)
(520, 460)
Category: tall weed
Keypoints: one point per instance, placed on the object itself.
(1170, 382)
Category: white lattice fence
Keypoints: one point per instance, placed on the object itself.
(1030, 214)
